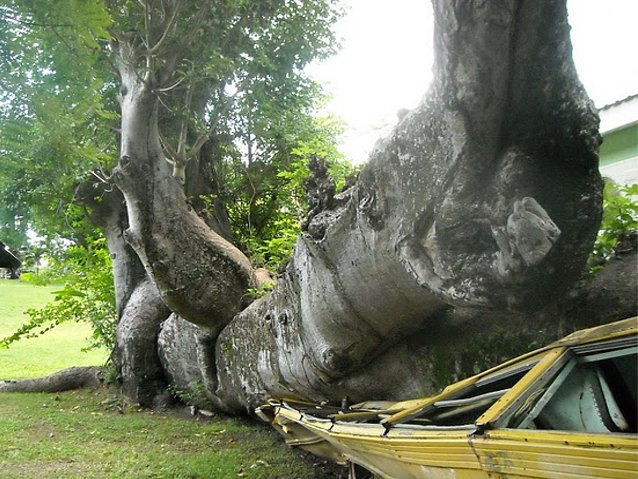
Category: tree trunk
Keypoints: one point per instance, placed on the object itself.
(485, 197)
(188, 356)
(136, 356)
(181, 253)
(140, 311)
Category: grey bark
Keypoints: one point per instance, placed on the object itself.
(136, 353)
(485, 197)
(608, 294)
(139, 308)
(107, 211)
(67, 379)
(188, 356)
(180, 252)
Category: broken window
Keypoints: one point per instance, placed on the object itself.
(595, 391)
(470, 403)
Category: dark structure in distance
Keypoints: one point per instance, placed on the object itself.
(9, 261)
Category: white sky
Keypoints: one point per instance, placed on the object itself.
(386, 59)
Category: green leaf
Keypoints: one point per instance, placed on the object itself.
(67, 292)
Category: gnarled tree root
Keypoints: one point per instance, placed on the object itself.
(64, 380)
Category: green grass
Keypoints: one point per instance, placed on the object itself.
(92, 434)
(86, 434)
(57, 349)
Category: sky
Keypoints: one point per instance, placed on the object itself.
(387, 53)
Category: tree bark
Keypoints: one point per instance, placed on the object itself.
(486, 197)
(136, 355)
(65, 380)
(140, 311)
(179, 251)
(188, 356)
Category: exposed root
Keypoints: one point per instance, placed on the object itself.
(64, 380)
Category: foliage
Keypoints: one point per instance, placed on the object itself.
(86, 295)
(193, 395)
(56, 99)
(234, 70)
(620, 218)
(256, 293)
(267, 203)
(60, 348)
(234, 73)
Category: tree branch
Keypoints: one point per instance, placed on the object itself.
(147, 43)
(183, 131)
(164, 35)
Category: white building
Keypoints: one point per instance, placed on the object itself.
(619, 151)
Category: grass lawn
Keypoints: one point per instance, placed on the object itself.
(92, 434)
(57, 349)
(85, 434)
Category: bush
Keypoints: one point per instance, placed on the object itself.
(619, 222)
(86, 294)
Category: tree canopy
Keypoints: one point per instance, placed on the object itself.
(230, 73)
(231, 93)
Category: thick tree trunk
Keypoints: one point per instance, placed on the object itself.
(140, 310)
(188, 356)
(141, 372)
(107, 211)
(486, 197)
(184, 257)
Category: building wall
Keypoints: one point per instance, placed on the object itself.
(619, 145)
(619, 151)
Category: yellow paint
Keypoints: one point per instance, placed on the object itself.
(392, 449)
(606, 331)
(558, 454)
(506, 401)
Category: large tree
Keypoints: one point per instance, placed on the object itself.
(485, 198)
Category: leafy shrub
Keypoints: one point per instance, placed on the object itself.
(266, 197)
(194, 394)
(619, 222)
(35, 279)
(87, 295)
